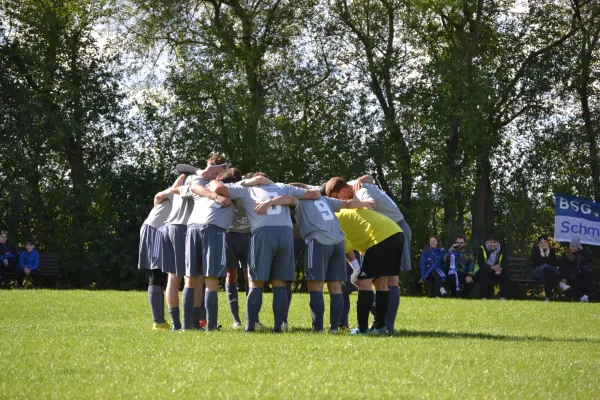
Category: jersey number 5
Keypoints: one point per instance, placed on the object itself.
(324, 209)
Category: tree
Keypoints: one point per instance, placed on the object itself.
(370, 35)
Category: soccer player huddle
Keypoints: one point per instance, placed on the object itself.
(212, 222)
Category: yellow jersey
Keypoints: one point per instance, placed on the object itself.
(365, 228)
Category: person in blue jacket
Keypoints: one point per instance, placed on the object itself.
(29, 263)
(432, 266)
(8, 255)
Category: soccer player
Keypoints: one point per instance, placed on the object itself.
(325, 258)
(271, 246)
(380, 240)
(151, 242)
(237, 243)
(174, 256)
(205, 252)
(365, 191)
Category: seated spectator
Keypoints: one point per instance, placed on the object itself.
(8, 255)
(576, 267)
(545, 262)
(460, 267)
(492, 265)
(432, 258)
(29, 262)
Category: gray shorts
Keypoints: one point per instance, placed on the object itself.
(237, 245)
(205, 251)
(406, 265)
(272, 254)
(173, 254)
(150, 252)
(324, 262)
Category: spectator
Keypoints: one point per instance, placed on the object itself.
(8, 255)
(460, 267)
(432, 258)
(576, 268)
(545, 262)
(492, 264)
(29, 262)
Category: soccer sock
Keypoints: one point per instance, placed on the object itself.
(289, 293)
(187, 298)
(336, 307)
(374, 306)
(317, 309)
(156, 299)
(392, 311)
(346, 311)
(253, 306)
(382, 300)
(363, 307)
(175, 321)
(280, 305)
(232, 298)
(197, 316)
(212, 309)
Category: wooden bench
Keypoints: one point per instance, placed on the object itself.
(49, 267)
(520, 273)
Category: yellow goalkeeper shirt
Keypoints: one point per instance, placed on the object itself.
(365, 228)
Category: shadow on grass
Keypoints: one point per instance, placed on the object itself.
(403, 333)
(486, 336)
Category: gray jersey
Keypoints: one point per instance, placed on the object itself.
(240, 223)
(317, 220)
(385, 205)
(160, 212)
(209, 212)
(247, 197)
(183, 203)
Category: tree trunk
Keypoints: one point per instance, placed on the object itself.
(450, 178)
(483, 199)
(405, 163)
(590, 134)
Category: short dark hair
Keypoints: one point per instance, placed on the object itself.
(461, 237)
(231, 175)
(253, 174)
(216, 159)
(322, 188)
(493, 237)
(31, 242)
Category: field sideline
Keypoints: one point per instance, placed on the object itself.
(98, 344)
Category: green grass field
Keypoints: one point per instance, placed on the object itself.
(98, 344)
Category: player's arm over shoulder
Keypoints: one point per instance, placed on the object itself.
(220, 189)
(256, 181)
(370, 205)
(312, 194)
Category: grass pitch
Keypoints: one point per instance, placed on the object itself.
(99, 344)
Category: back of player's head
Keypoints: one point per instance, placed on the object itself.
(323, 189)
(250, 175)
(334, 185)
(232, 175)
(217, 160)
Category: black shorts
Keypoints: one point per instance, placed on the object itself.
(383, 259)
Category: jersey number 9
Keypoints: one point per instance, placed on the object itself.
(323, 207)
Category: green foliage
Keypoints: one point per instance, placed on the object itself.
(470, 113)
